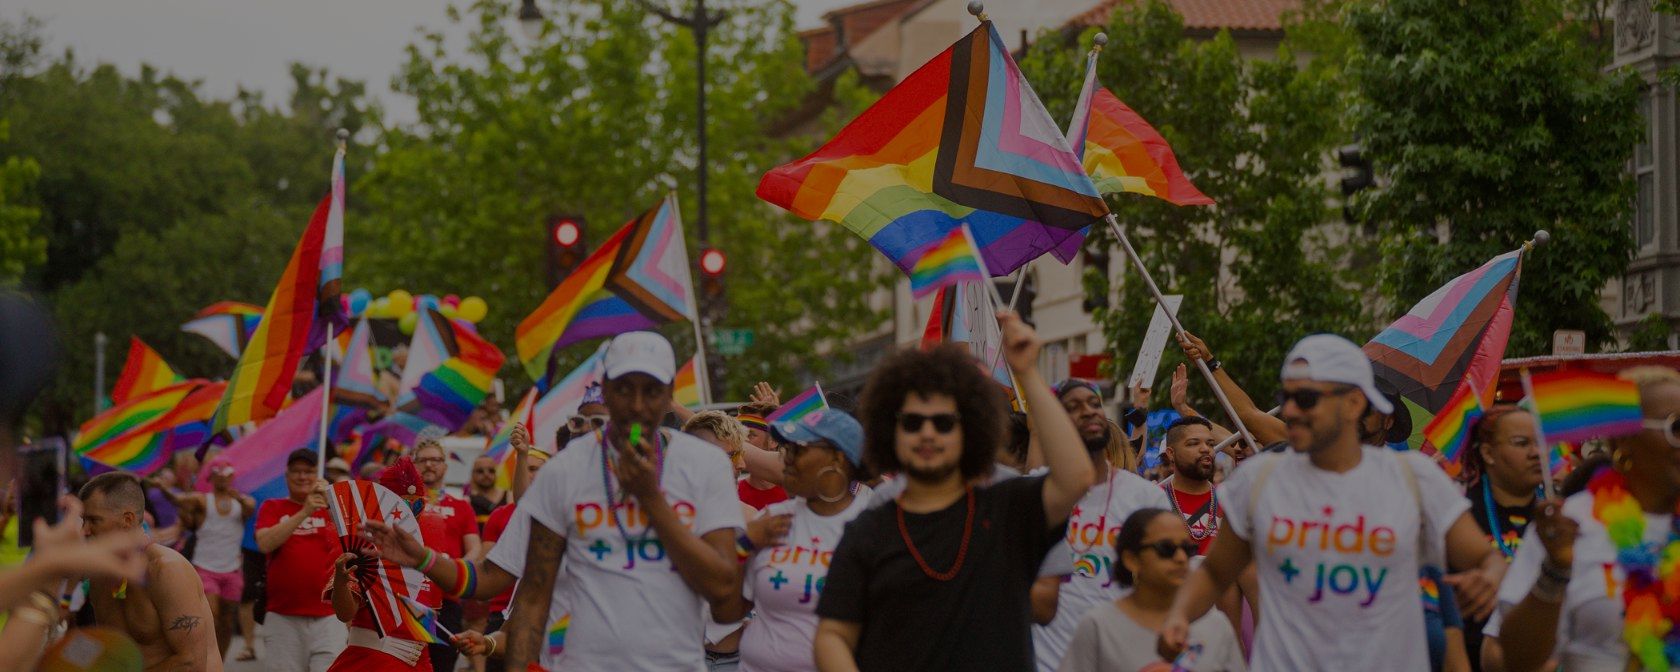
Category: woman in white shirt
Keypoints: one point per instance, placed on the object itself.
(821, 462)
(1566, 594)
(1154, 549)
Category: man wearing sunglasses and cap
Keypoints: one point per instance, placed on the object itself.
(1337, 530)
(642, 520)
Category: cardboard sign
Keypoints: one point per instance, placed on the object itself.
(1154, 344)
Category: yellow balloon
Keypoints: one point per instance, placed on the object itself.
(402, 302)
(408, 322)
(473, 309)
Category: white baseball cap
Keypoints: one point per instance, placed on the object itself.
(1328, 358)
(641, 352)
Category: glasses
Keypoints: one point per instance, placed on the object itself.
(942, 422)
(429, 460)
(1670, 428)
(1167, 549)
(490, 470)
(1307, 398)
(596, 421)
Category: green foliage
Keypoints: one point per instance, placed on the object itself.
(1651, 333)
(1255, 134)
(1485, 126)
(20, 246)
(598, 118)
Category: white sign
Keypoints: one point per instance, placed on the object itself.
(1569, 342)
(1154, 344)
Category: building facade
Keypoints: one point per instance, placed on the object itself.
(1648, 44)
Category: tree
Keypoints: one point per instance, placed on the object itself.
(1485, 126)
(1255, 135)
(20, 245)
(597, 119)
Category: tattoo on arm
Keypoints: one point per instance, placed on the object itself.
(186, 623)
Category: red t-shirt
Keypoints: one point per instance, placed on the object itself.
(299, 569)
(1203, 527)
(493, 528)
(457, 521)
(757, 498)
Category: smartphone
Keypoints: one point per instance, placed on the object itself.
(40, 483)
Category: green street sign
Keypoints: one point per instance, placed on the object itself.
(732, 342)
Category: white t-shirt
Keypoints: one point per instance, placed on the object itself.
(1338, 561)
(784, 581)
(1589, 632)
(630, 609)
(509, 554)
(1089, 546)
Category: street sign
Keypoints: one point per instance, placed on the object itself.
(1569, 342)
(732, 342)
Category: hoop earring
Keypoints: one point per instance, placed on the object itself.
(824, 472)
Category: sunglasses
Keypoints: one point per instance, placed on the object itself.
(1166, 549)
(596, 421)
(942, 422)
(1670, 428)
(1305, 399)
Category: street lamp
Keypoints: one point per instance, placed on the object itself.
(530, 20)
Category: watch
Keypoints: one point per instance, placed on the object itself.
(1213, 365)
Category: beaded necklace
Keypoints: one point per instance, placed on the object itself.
(624, 497)
(1494, 528)
(1212, 527)
(1651, 589)
(962, 549)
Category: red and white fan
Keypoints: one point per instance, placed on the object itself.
(354, 502)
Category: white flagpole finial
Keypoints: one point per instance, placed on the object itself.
(343, 137)
(978, 9)
(1541, 237)
(1100, 41)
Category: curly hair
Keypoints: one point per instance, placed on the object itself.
(947, 370)
(724, 426)
(1481, 434)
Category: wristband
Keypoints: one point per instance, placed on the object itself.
(1213, 365)
(466, 579)
(492, 650)
(427, 562)
(1554, 571)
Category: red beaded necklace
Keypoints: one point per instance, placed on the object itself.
(962, 549)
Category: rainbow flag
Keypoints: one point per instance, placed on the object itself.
(228, 324)
(1122, 152)
(1457, 332)
(637, 280)
(419, 622)
(798, 407)
(963, 313)
(498, 447)
(143, 373)
(295, 320)
(947, 262)
(447, 394)
(962, 139)
(147, 447)
(685, 389)
(259, 457)
(1574, 406)
(119, 419)
(1449, 432)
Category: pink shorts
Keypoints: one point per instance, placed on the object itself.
(225, 585)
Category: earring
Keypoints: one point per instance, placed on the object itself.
(824, 472)
(1621, 461)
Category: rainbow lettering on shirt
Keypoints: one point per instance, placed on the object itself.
(1344, 539)
(593, 519)
(556, 638)
(811, 560)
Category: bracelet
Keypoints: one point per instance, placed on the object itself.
(1555, 572)
(466, 579)
(492, 650)
(33, 616)
(428, 562)
(1213, 365)
(1548, 589)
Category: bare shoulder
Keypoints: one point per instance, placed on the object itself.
(165, 566)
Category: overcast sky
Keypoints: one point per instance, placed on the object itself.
(229, 43)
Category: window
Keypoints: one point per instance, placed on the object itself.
(1645, 174)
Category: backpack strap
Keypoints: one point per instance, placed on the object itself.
(1417, 501)
(1254, 491)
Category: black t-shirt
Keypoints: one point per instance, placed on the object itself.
(1512, 521)
(980, 619)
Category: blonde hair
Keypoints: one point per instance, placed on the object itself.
(728, 430)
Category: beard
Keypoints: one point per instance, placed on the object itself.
(1193, 470)
(933, 474)
(1096, 444)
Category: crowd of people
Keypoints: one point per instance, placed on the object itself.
(928, 526)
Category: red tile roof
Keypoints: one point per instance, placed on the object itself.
(1262, 15)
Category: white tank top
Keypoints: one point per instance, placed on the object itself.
(219, 537)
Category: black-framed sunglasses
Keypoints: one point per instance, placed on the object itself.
(1307, 398)
(942, 422)
(1165, 548)
(1670, 428)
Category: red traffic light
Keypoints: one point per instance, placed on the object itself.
(567, 232)
(712, 261)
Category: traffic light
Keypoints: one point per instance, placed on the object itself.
(1095, 255)
(713, 263)
(1357, 175)
(566, 246)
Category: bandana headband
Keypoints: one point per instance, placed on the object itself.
(1063, 388)
(751, 421)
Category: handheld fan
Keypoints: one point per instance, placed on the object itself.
(353, 503)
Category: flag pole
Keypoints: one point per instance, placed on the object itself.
(1540, 444)
(326, 401)
(1149, 281)
(997, 304)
